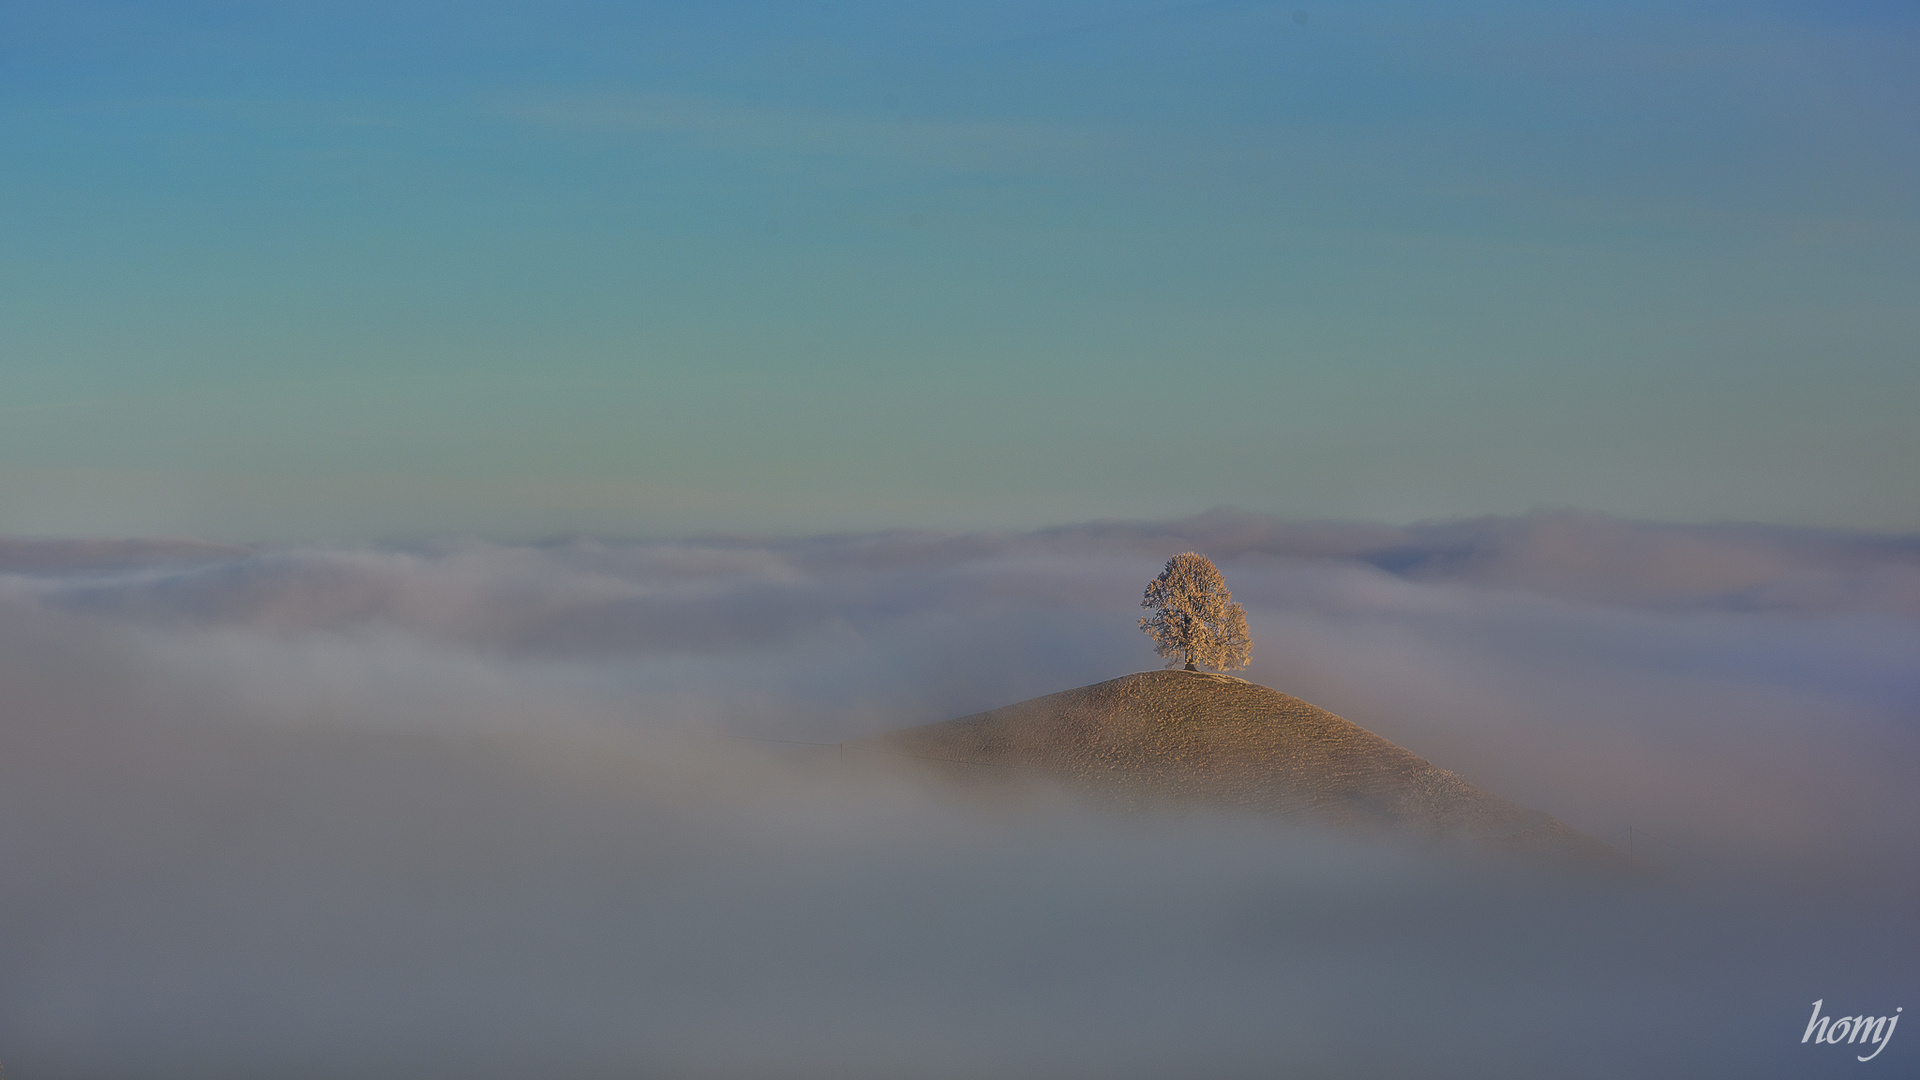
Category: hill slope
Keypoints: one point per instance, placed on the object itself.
(1227, 741)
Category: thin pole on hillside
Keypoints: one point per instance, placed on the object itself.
(1635, 834)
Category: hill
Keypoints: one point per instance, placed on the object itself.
(1225, 741)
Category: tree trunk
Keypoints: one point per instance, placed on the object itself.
(1190, 666)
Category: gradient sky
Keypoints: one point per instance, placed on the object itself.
(348, 270)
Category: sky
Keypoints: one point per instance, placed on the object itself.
(502, 809)
(345, 272)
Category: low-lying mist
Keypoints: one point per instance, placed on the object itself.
(575, 809)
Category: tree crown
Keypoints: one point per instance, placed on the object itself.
(1194, 618)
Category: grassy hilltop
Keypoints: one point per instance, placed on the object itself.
(1222, 740)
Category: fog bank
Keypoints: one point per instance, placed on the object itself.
(498, 810)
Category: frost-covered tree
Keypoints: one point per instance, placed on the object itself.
(1194, 618)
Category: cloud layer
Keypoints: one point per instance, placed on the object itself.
(499, 809)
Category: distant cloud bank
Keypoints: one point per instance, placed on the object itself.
(282, 809)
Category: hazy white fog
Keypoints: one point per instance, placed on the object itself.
(477, 810)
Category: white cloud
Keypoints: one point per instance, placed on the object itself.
(463, 807)
(900, 139)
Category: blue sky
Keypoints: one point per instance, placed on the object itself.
(350, 271)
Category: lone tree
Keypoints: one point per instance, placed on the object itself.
(1195, 617)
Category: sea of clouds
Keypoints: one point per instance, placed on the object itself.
(574, 809)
